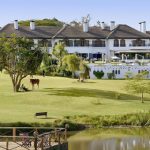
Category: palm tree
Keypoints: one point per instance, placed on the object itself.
(84, 71)
(59, 52)
(72, 62)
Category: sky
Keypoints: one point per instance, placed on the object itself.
(129, 12)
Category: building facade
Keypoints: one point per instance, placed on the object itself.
(96, 42)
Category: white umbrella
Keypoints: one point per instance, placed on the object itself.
(115, 58)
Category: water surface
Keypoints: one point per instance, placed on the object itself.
(111, 139)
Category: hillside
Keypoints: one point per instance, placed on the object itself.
(43, 22)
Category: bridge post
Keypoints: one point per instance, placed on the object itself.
(35, 143)
(55, 134)
(42, 144)
(7, 144)
(50, 140)
(65, 134)
(14, 134)
(59, 138)
(35, 134)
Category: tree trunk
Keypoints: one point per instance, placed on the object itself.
(16, 87)
(16, 81)
(142, 98)
(73, 75)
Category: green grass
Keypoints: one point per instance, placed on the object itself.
(66, 97)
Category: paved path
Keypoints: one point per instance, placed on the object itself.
(14, 146)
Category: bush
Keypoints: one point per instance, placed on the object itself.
(98, 74)
(111, 75)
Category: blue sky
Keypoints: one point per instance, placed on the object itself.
(122, 11)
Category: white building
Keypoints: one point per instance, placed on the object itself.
(98, 42)
(120, 71)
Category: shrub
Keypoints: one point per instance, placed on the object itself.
(98, 74)
(111, 75)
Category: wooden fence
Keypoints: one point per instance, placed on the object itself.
(18, 138)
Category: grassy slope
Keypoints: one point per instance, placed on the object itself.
(61, 97)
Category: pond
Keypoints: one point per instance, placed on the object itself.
(111, 139)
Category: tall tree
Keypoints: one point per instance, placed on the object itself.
(19, 57)
(84, 70)
(73, 62)
(139, 85)
(59, 52)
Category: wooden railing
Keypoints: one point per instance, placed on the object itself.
(34, 139)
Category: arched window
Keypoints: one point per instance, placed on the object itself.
(122, 43)
(116, 43)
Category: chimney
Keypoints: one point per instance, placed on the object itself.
(103, 25)
(144, 26)
(16, 24)
(32, 25)
(112, 25)
(85, 22)
(99, 24)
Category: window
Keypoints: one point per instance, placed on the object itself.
(116, 71)
(77, 43)
(98, 43)
(116, 43)
(138, 42)
(86, 42)
(45, 43)
(81, 42)
(103, 44)
(122, 43)
(68, 43)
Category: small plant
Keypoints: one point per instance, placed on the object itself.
(117, 96)
(111, 75)
(98, 74)
(97, 102)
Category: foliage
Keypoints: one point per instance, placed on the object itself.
(98, 74)
(19, 58)
(136, 119)
(138, 85)
(59, 52)
(46, 64)
(44, 22)
(72, 61)
(128, 75)
(111, 75)
(84, 70)
(80, 122)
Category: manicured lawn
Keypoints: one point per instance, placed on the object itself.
(66, 97)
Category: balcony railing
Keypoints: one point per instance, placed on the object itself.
(145, 45)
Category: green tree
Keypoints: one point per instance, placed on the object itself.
(139, 85)
(84, 70)
(59, 52)
(43, 22)
(72, 61)
(98, 74)
(19, 58)
(46, 63)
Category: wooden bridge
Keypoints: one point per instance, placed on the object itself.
(27, 138)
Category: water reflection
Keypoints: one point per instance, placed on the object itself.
(111, 142)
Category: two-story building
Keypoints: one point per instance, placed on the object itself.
(96, 42)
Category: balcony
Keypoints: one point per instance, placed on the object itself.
(141, 47)
(86, 49)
